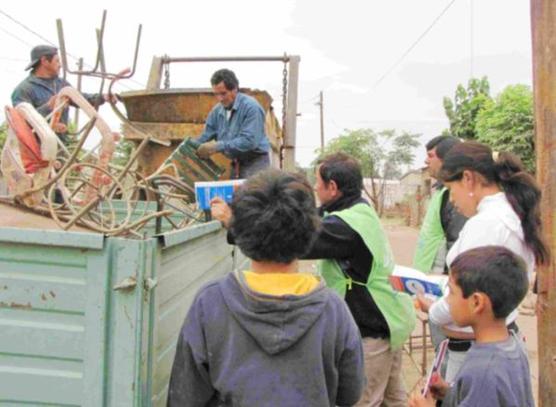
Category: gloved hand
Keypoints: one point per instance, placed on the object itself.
(207, 149)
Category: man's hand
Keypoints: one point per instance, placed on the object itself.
(52, 102)
(60, 128)
(207, 149)
(220, 210)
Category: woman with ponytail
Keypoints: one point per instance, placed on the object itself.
(501, 201)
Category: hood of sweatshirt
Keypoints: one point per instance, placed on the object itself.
(274, 322)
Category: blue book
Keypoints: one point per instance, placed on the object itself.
(206, 190)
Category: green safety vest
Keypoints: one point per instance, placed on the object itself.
(431, 236)
(397, 307)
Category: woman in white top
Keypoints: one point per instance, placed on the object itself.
(501, 201)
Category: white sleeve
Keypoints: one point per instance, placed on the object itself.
(439, 312)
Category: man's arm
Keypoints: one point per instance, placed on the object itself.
(335, 240)
(247, 139)
(211, 129)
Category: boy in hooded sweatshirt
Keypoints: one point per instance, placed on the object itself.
(269, 336)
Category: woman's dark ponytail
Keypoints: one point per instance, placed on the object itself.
(507, 171)
(524, 195)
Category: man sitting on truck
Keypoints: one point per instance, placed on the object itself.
(235, 127)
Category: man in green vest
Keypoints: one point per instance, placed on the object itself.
(355, 260)
(442, 222)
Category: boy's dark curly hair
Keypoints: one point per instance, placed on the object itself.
(494, 271)
(274, 218)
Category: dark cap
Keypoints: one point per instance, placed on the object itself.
(40, 51)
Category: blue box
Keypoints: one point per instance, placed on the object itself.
(206, 190)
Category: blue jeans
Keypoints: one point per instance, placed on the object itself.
(252, 166)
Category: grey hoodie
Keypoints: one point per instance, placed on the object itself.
(238, 347)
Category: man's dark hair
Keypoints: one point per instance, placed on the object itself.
(274, 218)
(344, 170)
(228, 77)
(443, 144)
(494, 271)
(506, 170)
(38, 64)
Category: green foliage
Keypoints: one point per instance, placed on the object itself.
(380, 154)
(3, 134)
(507, 124)
(124, 149)
(463, 110)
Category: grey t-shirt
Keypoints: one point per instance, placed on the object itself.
(493, 374)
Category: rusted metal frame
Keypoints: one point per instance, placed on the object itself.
(543, 29)
(63, 53)
(91, 204)
(70, 161)
(79, 80)
(123, 118)
(100, 51)
(118, 179)
(167, 60)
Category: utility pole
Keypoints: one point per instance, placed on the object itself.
(543, 30)
(320, 103)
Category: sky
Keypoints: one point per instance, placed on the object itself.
(380, 64)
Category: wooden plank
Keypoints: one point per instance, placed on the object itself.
(543, 25)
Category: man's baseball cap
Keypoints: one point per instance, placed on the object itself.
(40, 51)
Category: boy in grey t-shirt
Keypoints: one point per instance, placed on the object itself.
(486, 284)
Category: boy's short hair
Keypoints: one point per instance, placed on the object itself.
(494, 271)
(344, 170)
(274, 218)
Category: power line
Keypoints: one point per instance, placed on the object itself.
(16, 37)
(25, 27)
(53, 44)
(12, 59)
(413, 45)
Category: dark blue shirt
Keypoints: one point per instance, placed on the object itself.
(493, 374)
(243, 135)
(38, 91)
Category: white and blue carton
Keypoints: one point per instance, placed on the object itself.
(414, 282)
(206, 190)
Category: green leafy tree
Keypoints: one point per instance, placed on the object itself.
(124, 149)
(507, 123)
(463, 110)
(380, 154)
(3, 134)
